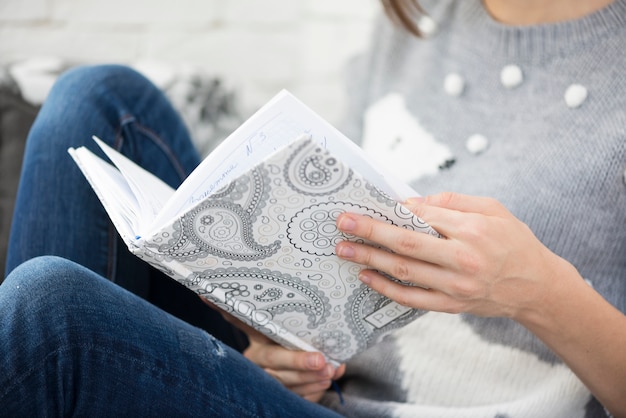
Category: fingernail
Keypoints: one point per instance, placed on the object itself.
(312, 361)
(345, 250)
(327, 371)
(346, 223)
(364, 277)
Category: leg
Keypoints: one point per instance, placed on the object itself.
(57, 212)
(75, 344)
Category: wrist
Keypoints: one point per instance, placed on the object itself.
(584, 330)
(559, 285)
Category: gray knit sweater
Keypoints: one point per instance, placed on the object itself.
(534, 116)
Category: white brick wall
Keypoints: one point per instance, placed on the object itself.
(259, 46)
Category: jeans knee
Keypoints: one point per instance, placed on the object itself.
(42, 276)
(86, 101)
(101, 79)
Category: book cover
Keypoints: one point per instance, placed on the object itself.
(260, 243)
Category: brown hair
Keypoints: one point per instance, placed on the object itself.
(405, 13)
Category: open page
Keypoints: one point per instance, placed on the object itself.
(113, 191)
(151, 192)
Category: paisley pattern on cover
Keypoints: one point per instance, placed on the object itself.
(263, 249)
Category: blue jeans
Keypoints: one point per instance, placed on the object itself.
(57, 212)
(75, 343)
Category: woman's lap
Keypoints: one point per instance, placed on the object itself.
(74, 343)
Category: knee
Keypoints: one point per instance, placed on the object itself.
(84, 101)
(39, 278)
(41, 318)
(85, 80)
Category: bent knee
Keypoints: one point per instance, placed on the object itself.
(86, 76)
(41, 276)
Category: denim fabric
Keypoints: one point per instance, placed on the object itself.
(75, 344)
(57, 212)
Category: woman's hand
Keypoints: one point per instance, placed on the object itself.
(305, 373)
(488, 264)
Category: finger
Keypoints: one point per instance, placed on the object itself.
(339, 372)
(458, 202)
(450, 223)
(404, 268)
(313, 390)
(274, 356)
(315, 397)
(293, 378)
(401, 241)
(411, 296)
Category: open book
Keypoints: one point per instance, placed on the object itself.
(252, 229)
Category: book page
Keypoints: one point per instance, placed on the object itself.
(112, 189)
(150, 192)
(282, 121)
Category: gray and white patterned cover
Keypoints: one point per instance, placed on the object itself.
(262, 248)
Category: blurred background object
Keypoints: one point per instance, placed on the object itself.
(256, 46)
(217, 60)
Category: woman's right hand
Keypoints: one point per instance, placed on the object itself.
(307, 374)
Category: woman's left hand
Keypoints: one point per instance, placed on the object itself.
(488, 263)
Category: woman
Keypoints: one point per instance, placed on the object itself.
(519, 101)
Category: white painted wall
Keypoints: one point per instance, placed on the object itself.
(258, 46)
